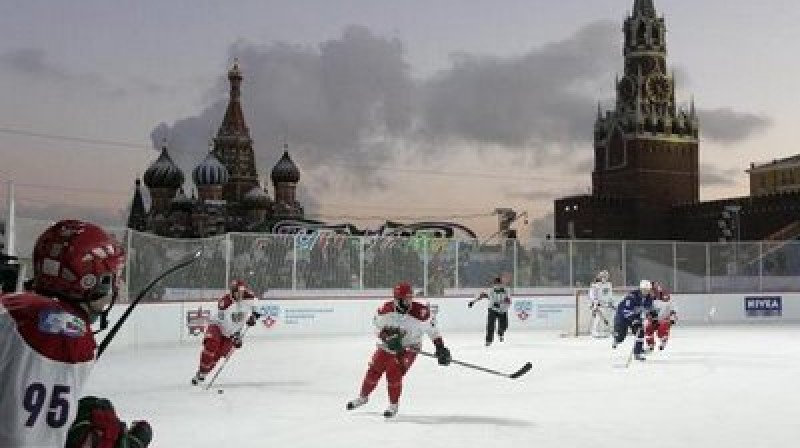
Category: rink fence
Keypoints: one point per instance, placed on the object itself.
(320, 263)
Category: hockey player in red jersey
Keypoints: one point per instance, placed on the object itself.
(224, 333)
(47, 347)
(659, 319)
(400, 324)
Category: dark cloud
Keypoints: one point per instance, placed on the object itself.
(712, 176)
(34, 63)
(546, 97)
(726, 126)
(351, 102)
(340, 103)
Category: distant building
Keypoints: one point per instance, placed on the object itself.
(645, 183)
(228, 195)
(778, 176)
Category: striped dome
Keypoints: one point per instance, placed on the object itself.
(163, 173)
(285, 170)
(210, 171)
(256, 197)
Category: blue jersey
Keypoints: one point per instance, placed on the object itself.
(632, 305)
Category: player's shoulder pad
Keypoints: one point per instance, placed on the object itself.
(386, 308)
(225, 302)
(420, 311)
(51, 327)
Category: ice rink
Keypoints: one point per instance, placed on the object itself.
(735, 386)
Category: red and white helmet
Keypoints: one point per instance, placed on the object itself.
(660, 292)
(78, 261)
(402, 294)
(239, 290)
(402, 290)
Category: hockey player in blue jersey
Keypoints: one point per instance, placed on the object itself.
(629, 316)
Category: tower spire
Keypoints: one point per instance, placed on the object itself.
(644, 8)
(233, 122)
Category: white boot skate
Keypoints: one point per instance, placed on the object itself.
(198, 378)
(356, 402)
(391, 411)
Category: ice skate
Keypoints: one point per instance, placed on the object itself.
(357, 402)
(502, 338)
(198, 378)
(662, 345)
(391, 411)
(650, 348)
(488, 343)
(639, 357)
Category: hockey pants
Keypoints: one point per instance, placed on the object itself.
(621, 327)
(215, 346)
(502, 324)
(655, 328)
(395, 365)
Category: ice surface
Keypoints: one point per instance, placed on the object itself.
(715, 386)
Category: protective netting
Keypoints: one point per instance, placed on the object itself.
(320, 261)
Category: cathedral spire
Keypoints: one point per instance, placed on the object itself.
(233, 122)
(137, 219)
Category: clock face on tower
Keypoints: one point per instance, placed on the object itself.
(658, 88)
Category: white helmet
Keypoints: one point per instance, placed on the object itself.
(645, 284)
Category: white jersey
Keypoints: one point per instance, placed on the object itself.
(412, 325)
(663, 309)
(46, 354)
(231, 315)
(601, 295)
(499, 299)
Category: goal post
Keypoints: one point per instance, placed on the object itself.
(580, 322)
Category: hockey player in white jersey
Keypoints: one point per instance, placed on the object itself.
(601, 304)
(224, 333)
(499, 303)
(47, 347)
(660, 318)
(400, 325)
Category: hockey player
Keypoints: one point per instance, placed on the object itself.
(499, 303)
(400, 325)
(47, 347)
(224, 332)
(660, 318)
(600, 302)
(629, 316)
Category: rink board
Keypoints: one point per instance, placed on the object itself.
(175, 322)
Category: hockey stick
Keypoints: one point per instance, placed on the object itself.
(225, 362)
(522, 371)
(180, 265)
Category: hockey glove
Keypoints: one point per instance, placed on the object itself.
(252, 319)
(236, 340)
(140, 434)
(443, 354)
(395, 343)
(96, 425)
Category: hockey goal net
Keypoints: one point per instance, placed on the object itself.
(580, 322)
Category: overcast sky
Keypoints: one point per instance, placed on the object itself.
(404, 108)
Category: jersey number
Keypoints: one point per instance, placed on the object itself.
(58, 408)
